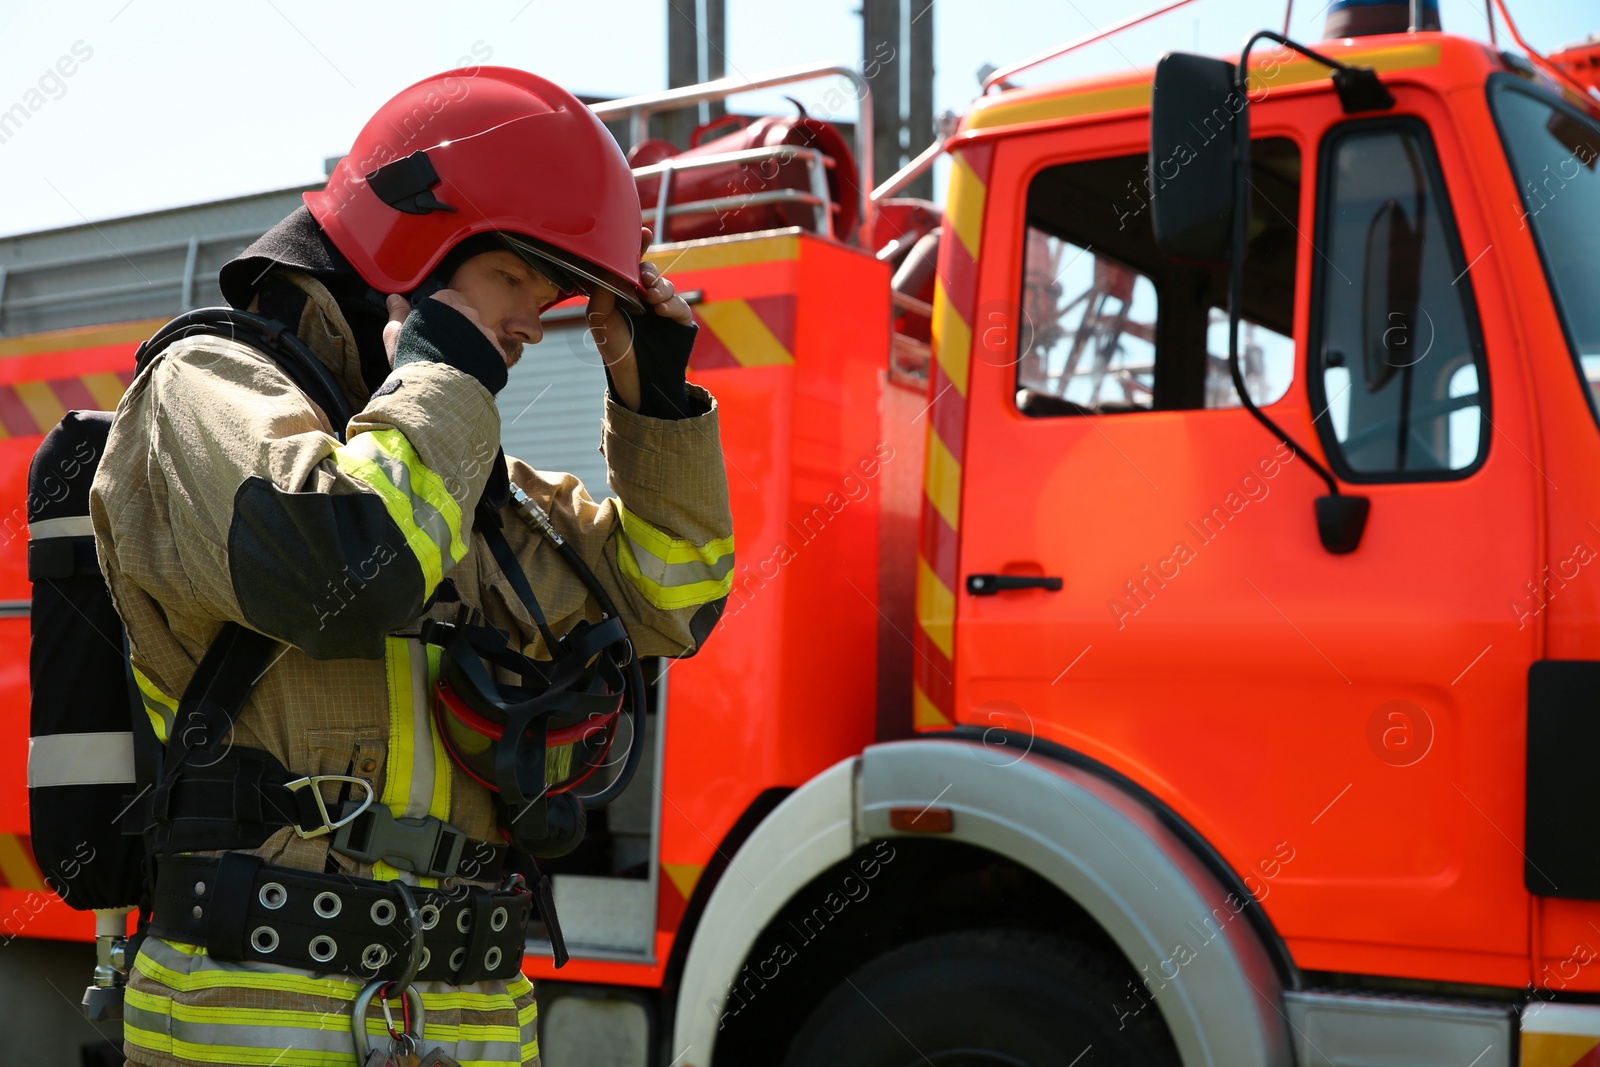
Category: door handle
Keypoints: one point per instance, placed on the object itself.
(990, 584)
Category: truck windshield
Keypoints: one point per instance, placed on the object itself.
(1554, 152)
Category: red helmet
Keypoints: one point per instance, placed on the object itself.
(484, 151)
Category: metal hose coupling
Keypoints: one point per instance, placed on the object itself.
(534, 515)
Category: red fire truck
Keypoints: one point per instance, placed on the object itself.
(1093, 689)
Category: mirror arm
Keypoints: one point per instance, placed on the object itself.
(1340, 519)
(1241, 219)
(1358, 87)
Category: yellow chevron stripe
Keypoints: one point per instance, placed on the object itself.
(732, 252)
(750, 340)
(78, 337)
(683, 876)
(943, 480)
(106, 389)
(41, 402)
(936, 608)
(16, 866)
(965, 209)
(1554, 1050)
(924, 712)
(952, 339)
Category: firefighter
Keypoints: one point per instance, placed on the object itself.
(226, 496)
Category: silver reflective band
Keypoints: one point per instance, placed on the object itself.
(80, 759)
(67, 526)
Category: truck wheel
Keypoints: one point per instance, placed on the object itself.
(986, 998)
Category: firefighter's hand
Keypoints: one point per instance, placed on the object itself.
(613, 335)
(400, 308)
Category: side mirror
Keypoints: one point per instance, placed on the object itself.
(1196, 118)
(1391, 292)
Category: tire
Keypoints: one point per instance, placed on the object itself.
(986, 998)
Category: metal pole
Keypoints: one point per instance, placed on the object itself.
(715, 43)
(881, 58)
(661, 204)
(910, 172)
(919, 113)
(1416, 16)
(683, 66)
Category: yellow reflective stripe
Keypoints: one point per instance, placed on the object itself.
(301, 985)
(398, 505)
(671, 549)
(413, 495)
(411, 684)
(230, 1054)
(162, 709)
(303, 1019)
(672, 573)
(397, 778)
(669, 598)
(440, 807)
(426, 484)
(305, 985)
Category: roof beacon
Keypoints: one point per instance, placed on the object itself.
(1369, 18)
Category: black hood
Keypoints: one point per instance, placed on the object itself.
(298, 242)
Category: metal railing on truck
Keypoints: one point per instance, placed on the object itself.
(639, 109)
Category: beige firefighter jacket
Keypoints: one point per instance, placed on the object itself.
(224, 495)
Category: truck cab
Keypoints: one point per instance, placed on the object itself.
(1143, 671)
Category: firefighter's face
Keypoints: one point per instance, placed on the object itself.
(508, 294)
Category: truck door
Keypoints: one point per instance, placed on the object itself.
(1345, 730)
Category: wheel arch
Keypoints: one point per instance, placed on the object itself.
(1102, 844)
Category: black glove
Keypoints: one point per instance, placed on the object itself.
(661, 351)
(438, 332)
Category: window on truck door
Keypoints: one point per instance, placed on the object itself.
(1397, 373)
(1554, 152)
(1109, 324)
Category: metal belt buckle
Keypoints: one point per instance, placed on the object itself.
(329, 823)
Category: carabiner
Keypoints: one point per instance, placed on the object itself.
(358, 1016)
(411, 1007)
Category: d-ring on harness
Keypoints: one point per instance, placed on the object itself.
(409, 1036)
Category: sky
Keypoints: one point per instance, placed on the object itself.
(170, 103)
